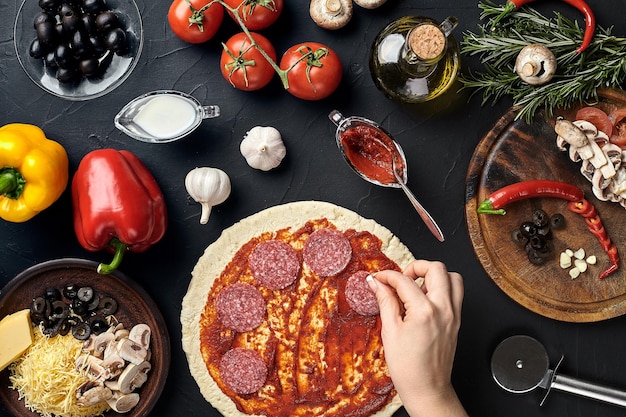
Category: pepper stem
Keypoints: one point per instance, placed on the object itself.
(486, 207)
(120, 249)
(11, 183)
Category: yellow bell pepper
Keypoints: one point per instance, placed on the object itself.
(33, 171)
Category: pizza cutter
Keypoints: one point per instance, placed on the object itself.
(520, 364)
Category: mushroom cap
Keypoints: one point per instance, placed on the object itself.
(535, 64)
(369, 4)
(331, 14)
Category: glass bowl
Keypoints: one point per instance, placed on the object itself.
(118, 70)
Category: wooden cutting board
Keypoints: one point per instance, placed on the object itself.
(513, 151)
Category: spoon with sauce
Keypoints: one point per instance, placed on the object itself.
(376, 157)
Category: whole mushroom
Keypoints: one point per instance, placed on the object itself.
(331, 14)
(370, 4)
(535, 64)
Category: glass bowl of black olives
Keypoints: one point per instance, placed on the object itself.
(78, 49)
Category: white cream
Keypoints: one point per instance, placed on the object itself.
(166, 116)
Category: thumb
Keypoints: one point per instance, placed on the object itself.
(388, 302)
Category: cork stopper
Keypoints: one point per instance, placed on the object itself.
(427, 41)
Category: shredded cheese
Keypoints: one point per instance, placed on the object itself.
(46, 377)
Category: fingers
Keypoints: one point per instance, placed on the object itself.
(388, 302)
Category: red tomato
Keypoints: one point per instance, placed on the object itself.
(243, 65)
(314, 70)
(597, 117)
(618, 117)
(196, 21)
(256, 14)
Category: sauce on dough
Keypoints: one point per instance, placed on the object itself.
(323, 358)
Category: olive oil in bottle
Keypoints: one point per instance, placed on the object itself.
(415, 59)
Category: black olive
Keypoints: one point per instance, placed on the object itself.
(106, 21)
(97, 46)
(67, 75)
(528, 229)
(115, 40)
(88, 66)
(545, 231)
(70, 291)
(80, 45)
(38, 306)
(518, 237)
(49, 61)
(49, 4)
(63, 56)
(540, 218)
(557, 221)
(107, 306)
(46, 33)
(89, 24)
(52, 294)
(65, 327)
(52, 328)
(81, 331)
(93, 6)
(67, 9)
(71, 22)
(93, 304)
(79, 307)
(43, 17)
(85, 294)
(98, 324)
(535, 257)
(60, 310)
(36, 49)
(537, 242)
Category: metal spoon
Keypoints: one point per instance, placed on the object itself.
(425, 215)
(343, 124)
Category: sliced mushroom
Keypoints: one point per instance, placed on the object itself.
(331, 14)
(123, 403)
(133, 377)
(89, 394)
(92, 365)
(121, 334)
(535, 64)
(101, 342)
(114, 364)
(141, 333)
(369, 4)
(131, 351)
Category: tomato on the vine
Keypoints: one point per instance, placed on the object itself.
(256, 14)
(314, 70)
(195, 21)
(243, 65)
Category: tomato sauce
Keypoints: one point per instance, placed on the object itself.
(369, 151)
(323, 358)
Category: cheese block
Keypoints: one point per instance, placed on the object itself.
(16, 335)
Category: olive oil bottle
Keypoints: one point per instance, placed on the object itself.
(415, 59)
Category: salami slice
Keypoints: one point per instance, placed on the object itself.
(327, 252)
(243, 370)
(359, 295)
(274, 264)
(240, 307)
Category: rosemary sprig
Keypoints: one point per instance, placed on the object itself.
(578, 76)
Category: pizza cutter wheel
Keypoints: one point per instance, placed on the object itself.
(520, 364)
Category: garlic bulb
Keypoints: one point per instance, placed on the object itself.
(209, 187)
(263, 148)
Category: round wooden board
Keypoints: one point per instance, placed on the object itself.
(515, 151)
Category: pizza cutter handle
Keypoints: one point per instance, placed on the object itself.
(588, 390)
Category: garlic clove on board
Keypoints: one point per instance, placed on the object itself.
(209, 187)
(263, 148)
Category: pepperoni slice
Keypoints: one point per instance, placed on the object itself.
(240, 307)
(243, 370)
(327, 252)
(596, 117)
(359, 295)
(274, 264)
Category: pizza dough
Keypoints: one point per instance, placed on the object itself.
(220, 253)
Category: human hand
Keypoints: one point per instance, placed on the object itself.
(419, 331)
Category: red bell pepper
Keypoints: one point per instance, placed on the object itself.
(118, 205)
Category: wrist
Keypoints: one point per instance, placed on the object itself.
(444, 403)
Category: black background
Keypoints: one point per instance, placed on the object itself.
(438, 139)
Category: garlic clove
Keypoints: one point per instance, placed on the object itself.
(263, 148)
(209, 187)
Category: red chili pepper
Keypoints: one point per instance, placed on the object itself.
(496, 201)
(582, 6)
(594, 224)
(118, 205)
